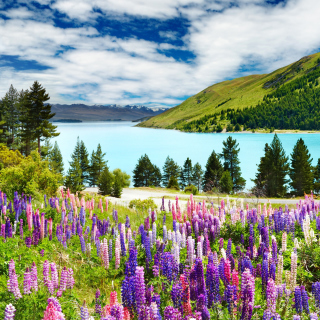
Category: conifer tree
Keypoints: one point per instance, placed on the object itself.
(186, 174)
(97, 164)
(301, 169)
(9, 107)
(105, 182)
(273, 169)
(40, 113)
(316, 176)
(84, 161)
(213, 172)
(55, 159)
(117, 185)
(230, 154)
(197, 176)
(170, 169)
(146, 174)
(73, 179)
(226, 184)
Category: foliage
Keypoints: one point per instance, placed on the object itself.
(301, 169)
(197, 175)
(230, 156)
(170, 169)
(213, 172)
(226, 184)
(97, 164)
(173, 183)
(186, 173)
(192, 189)
(55, 159)
(31, 176)
(124, 178)
(146, 174)
(9, 158)
(272, 170)
(105, 182)
(142, 205)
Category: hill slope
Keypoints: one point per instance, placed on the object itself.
(202, 112)
(101, 112)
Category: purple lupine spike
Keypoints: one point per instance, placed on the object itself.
(298, 300)
(9, 312)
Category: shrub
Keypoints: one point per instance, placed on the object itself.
(192, 189)
(173, 183)
(31, 176)
(142, 204)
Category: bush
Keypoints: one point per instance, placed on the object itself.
(105, 182)
(31, 176)
(9, 158)
(142, 204)
(192, 189)
(237, 127)
(173, 183)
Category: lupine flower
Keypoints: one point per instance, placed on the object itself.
(313, 316)
(70, 280)
(34, 277)
(27, 282)
(271, 296)
(298, 299)
(54, 275)
(117, 311)
(305, 298)
(98, 302)
(170, 313)
(140, 288)
(9, 312)
(316, 293)
(84, 313)
(13, 285)
(51, 313)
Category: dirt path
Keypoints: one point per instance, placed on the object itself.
(129, 194)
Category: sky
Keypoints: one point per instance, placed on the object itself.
(150, 52)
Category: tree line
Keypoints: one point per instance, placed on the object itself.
(88, 170)
(276, 175)
(222, 172)
(25, 119)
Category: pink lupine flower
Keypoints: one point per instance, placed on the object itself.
(34, 277)
(70, 280)
(51, 313)
(27, 282)
(54, 275)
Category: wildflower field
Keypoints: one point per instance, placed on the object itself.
(84, 257)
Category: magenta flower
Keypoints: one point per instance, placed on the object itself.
(27, 282)
(9, 312)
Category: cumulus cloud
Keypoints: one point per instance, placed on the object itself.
(84, 63)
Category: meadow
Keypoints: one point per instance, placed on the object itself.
(85, 257)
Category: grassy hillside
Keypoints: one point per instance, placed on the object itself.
(234, 94)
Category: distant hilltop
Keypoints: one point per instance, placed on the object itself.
(112, 112)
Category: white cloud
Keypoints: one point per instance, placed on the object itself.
(106, 69)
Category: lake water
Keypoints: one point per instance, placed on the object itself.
(124, 144)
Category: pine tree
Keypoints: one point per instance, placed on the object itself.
(40, 112)
(197, 175)
(226, 183)
(55, 159)
(230, 153)
(84, 162)
(146, 174)
(272, 170)
(186, 174)
(105, 182)
(9, 106)
(117, 185)
(213, 172)
(301, 169)
(97, 164)
(316, 176)
(73, 179)
(170, 169)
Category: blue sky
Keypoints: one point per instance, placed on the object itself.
(151, 52)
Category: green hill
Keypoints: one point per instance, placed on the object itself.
(232, 104)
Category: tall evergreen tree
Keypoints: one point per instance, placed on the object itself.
(170, 169)
(230, 154)
(40, 113)
(316, 176)
(301, 169)
(226, 183)
(55, 159)
(273, 169)
(9, 106)
(84, 162)
(117, 185)
(97, 164)
(73, 179)
(197, 175)
(105, 182)
(186, 174)
(213, 172)
(146, 174)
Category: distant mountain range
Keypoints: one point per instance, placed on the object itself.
(112, 112)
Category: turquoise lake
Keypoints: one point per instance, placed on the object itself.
(124, 144)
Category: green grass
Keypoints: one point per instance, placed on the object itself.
(235, 94)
